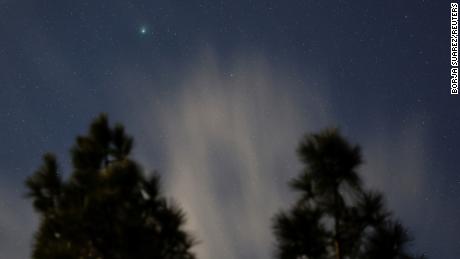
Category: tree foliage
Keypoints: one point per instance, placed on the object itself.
(107, 208)
(336, 217)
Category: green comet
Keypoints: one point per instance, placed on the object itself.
(143, 30)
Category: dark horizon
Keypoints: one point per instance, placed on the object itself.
(218, 94)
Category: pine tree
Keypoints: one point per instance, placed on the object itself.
(107, 208)
(335, 216)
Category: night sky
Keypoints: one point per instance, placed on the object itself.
(217, 95)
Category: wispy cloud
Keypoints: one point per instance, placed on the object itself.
(231, 148)
(16, 223)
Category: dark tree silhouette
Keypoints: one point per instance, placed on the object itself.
(106, 208)
(335, 216)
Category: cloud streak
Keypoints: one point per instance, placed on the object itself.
(230, 152)
(16, 223)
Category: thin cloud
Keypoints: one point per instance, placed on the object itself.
(230, 150)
